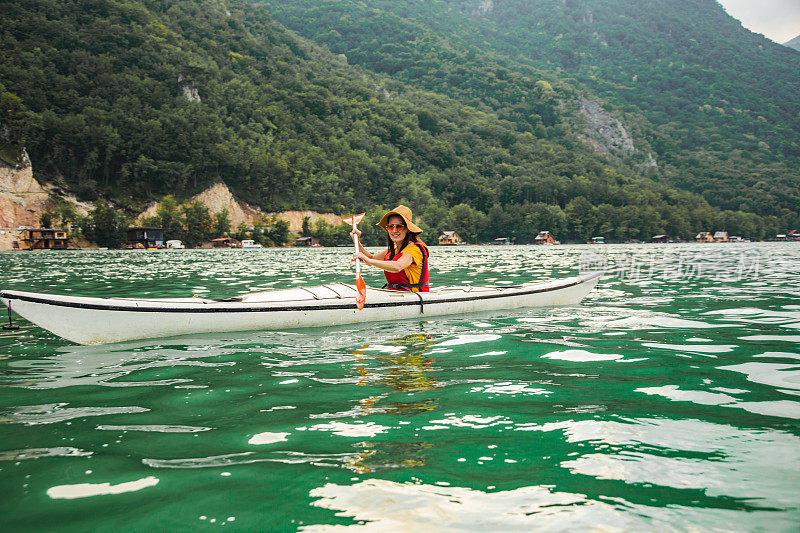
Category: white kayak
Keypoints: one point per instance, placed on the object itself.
(101, 320)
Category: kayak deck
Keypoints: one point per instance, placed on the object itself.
(99, 320)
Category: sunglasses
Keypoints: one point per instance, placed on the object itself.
(390, 227)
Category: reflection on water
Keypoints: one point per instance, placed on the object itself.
(403, 366)
(669, 400)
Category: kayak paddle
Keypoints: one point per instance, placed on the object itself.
(361, 287)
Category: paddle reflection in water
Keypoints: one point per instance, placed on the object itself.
(405, 367)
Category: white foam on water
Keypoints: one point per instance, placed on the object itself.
(469, 339)
(674, 393)
(781, 355)
(369, 429)
(582, 356)
(782, 338)
(268, 438)
(380, 505)
(775, 374)
(730, 391)
(659, 321)
(157, 428)
(85, 490)
(694, 348)
(779, 408)
(489, 353)
(473, 421)
(521, 388)
(36, 453)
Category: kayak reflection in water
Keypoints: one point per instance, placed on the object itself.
(405, 260)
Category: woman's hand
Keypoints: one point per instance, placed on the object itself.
(361, 256)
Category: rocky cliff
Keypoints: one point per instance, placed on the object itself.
(23, 200)
(219, 197)
(607, 135)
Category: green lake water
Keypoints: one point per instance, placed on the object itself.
(668, 400)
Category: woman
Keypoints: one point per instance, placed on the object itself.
(405, 260)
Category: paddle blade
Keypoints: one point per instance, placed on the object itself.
(362, 292)
(353, 220)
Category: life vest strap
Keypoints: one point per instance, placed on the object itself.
(407, 286)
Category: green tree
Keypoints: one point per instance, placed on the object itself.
(242, 232)
(222, 223)
(279, 232)
(105, 226)
(199, 224)
(46, 220)
(581, 218)
(261, 233)
(170, 217)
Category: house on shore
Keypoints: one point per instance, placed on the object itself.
(42, 239)
(721, 236)
(450, 238)
(597, 240)
(704, 236)
(225, 242)
(793, 235)
(545, 237)
(307, 241)
(145, 237)
(502, 241)
(660, 239)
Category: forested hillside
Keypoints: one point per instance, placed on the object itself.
(131, 100)
(718, 106)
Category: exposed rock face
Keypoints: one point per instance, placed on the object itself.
(295, 218)
(189, 90)
(23, 200)
(484, 7)
(219, 197)
(605, 133)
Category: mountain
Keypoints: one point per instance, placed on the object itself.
(132, 100)
(794, 43)
(713, 105)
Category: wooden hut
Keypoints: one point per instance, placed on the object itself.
(660, 239)
(450, 238)
(307, 241)
(43, 239)
(145, 237)
(225, 242)
(704, 236)
(545, 237)
(721, 236)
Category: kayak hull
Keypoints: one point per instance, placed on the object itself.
(103, 320)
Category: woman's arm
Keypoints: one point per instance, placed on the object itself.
(364, 250)
(401, 263)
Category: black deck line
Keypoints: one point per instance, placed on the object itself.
(108, 307)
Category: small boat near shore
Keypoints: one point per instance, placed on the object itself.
(102, 320)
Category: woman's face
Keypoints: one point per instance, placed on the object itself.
(396, 228)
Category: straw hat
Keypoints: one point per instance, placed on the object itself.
(404, 213)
